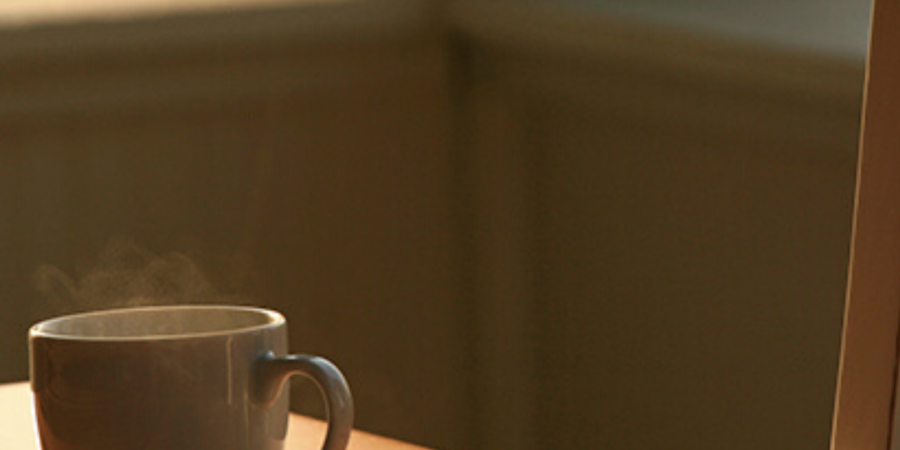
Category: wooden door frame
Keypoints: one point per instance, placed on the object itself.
(867, 378)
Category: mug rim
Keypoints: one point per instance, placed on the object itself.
(274, 320)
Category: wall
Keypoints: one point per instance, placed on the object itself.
(678, 209)
(512, 227)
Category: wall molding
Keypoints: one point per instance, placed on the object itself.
(592, 38)
(97, 66)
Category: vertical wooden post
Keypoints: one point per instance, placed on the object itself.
(866, 383)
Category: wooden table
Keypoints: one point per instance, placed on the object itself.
(17, 427)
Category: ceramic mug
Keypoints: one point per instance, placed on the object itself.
(173, 378)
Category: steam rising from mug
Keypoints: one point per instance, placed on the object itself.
(127, 275)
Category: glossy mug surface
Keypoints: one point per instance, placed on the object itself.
(172, 378)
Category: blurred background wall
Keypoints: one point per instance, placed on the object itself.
(515, 225)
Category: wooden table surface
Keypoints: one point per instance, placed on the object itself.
(17, 427)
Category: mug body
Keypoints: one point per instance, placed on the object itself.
(157, 378)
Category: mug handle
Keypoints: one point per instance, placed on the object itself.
(273, 372)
